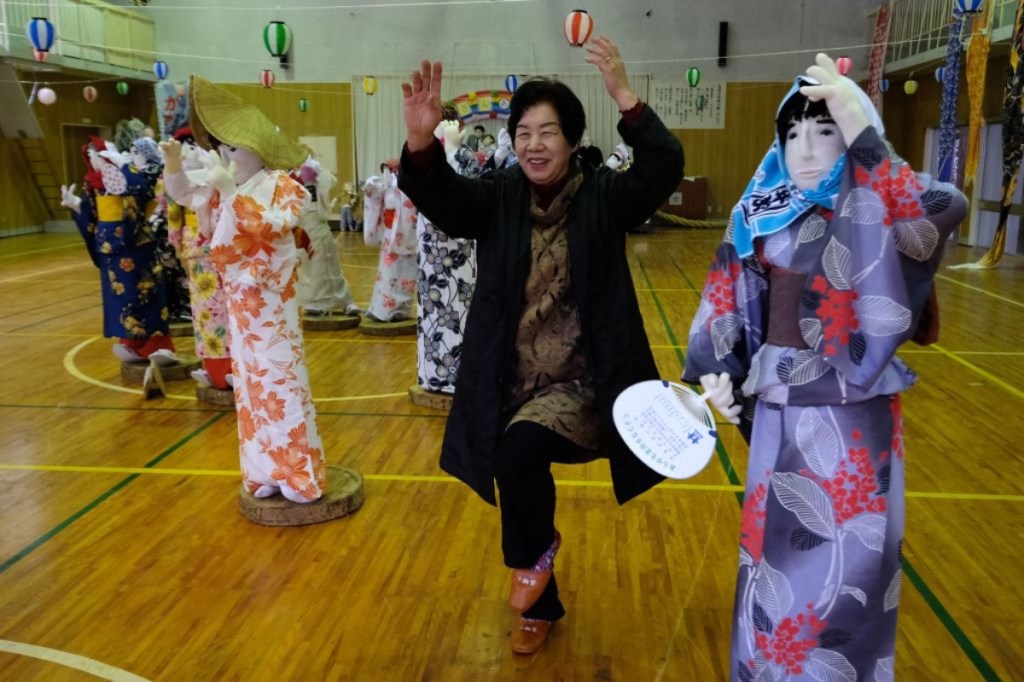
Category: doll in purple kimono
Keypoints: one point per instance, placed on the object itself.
(825, 270)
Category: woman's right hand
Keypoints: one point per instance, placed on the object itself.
(421, 105)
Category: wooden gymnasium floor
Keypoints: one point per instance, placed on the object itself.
(121, 544)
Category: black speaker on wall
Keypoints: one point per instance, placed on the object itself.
(723, 42)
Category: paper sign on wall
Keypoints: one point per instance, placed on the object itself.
(680, 106)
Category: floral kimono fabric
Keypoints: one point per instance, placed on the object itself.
(254, 249)
(819, 578)
(390, 219)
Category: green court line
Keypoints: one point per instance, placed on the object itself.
(947, 620)
(42, 539)
(30, 309)
(55, 317)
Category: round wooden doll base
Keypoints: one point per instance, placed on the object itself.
(344, 496)
(182, 329)
(402, 328)
(134, 372)
(215, 396)
(432, 399)
(329, 323)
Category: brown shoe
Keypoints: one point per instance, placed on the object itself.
(530, 635)
(527, 586)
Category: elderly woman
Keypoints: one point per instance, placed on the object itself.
(555, 332)
(825, 270)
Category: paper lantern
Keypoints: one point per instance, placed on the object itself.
(303, 105)
(40, 33)
(47, 96)
(369, 85)
(122, 88)
(160, 70)
(910, 87)
(968, 6)
(940, 74)
(844, 64)
(883, 85)
(39, 55)
(267, 78)
(511, 83)
(277, 38)
(578, 27)
(89, 93)
(693, 76)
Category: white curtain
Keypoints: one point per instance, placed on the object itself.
(380, 128)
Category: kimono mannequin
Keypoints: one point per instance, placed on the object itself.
(322, 287)
(824, 272)
(190, 174)
(390, 220)
(255, 252)
(618, 159)
(112, 218)
(447, 274)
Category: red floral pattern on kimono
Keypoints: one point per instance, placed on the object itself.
(389, 219)
(254, 250)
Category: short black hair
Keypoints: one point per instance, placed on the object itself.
(478, 128)
(797, 108)
(571, 117)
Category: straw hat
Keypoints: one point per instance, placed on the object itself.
(213, 111)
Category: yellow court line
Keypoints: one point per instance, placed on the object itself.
(979, 289)
(69, 660)
(52, 248)
(417, 478)
(379, 339)
(978, 370)
(660, 290)
(72, 369)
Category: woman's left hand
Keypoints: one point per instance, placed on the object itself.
(604, 54)
(841, 99)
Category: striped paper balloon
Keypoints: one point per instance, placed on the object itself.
(578, 27)
(693, 76)
(40, 33)
(512, 83)
(277, 38)
(844, 64)
(883, 85)
(89, 93)
(940, 74)
(369, 85)
(122, 88)
(969, 6)
(303, 105)
(267, 78)
(160, 70)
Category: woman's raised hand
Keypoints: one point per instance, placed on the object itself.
(421, 105)
(604, 54)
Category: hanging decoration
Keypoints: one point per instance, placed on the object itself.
(1013, 143)
(940, 74)
(482, 105)
(693, 76)
(844, 64)
(160, 70)
(122, 88)
(267, 78)
(369, 85)
(876, 60)
(883, 85)
(701, 102)
(910, 86)
(578, 27)
(303, 105)
(977, 66)
(512, 83)
(39, 55)
(47, 96)
(969, 6)
(40, 33)
(277, 38)
(89, 94)
(949, 76)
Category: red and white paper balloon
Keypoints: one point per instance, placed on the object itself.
(578, 27)
(89, 93)
(267, 78)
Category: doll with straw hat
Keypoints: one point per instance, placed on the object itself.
(255, 252)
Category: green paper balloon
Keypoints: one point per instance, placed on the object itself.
(693, 76)
(303, 105)
(122, 88)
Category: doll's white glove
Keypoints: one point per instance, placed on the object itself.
(719, 389)
(450, 136)
(69, 199)
(370, 188)
(220, 178)
(504, 147)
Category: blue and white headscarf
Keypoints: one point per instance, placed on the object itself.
(771, 201)
(147, 149)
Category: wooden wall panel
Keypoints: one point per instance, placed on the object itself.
(20, 205)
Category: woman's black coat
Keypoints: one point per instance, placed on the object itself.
(494, 210)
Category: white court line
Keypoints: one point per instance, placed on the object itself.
(73, 661)
(40, 273)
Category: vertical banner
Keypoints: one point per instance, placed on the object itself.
(172, 107)
(680, 106)
(949, 131)
(876, 60)
(977, 67)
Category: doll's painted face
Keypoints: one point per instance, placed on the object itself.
(247, 164)
(813, 146)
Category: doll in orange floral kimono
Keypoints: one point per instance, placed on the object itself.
(255, 252)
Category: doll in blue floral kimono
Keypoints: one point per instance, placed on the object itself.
(114, 220)
(825, 270)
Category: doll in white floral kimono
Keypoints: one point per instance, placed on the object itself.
(255, 252)
(390, 220)
(323, 289)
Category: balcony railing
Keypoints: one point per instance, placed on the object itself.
(919, 29)
(89, 30)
